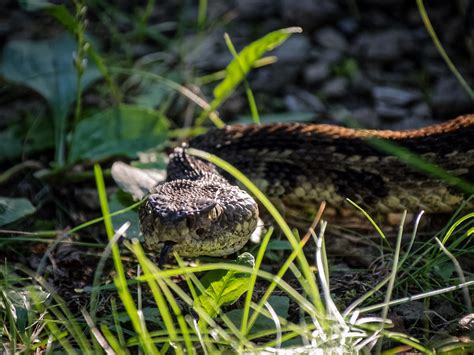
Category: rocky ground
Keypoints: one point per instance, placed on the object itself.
(369, 60)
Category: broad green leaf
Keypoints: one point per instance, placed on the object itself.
(28, 137)
(152, 95)
(12, 209)
(239, 67)
(47, 67)
(280, 305)
(224, 287)
(445, 270)
(123, 130)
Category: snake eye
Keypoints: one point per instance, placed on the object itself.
(200, 231)
(215, 212)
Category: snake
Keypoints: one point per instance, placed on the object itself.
(201, 210)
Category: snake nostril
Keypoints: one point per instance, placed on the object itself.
(200, 231)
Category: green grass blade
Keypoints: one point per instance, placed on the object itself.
(202, 11)
(61, 312)
(393, 275)
(306, 270)
(248, 90)
(418, 163)
(370, 219)
(456, 224)
(158, 295)
(120, 280)
(462, 278)
(214, 117)
(253, 278)
(100, 267)
(303, 302)
(112, 340)
(442, 52)
(118, 327)
(243, 63)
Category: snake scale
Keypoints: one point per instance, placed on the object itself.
(199, 211)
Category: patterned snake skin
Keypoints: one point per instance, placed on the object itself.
(198, 211)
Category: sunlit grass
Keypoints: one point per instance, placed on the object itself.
(37, 318)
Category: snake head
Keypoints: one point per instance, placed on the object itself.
(200, 217)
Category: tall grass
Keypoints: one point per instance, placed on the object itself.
(38, 319)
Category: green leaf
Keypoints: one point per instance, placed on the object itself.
(445, 270)
(280, 305)
(224, 287)
(47, 67)
(29, 136)
(12, 209)
(152, 95)
(239, 67)
(123, 130)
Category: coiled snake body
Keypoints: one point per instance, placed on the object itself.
(201, 212)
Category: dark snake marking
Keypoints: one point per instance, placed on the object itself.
(204, 213)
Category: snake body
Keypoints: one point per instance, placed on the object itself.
(202, 212)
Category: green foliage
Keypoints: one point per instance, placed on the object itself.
(240, 66)
(28, 323)
(30, 136)
(118, 201)
(122, 130)
(47, 67)
(12, 209)
(280, 304)
(224, 287)
(348, 68)
(18, 316)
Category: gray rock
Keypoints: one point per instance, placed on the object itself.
(303, 101)
(348, 25)
(274, 78)
(209, 54)
(316, 73)
(294, 51)
(330, 55)
(394, 96)
(361, 84)
(330, 38)
(390, 113)
(386, 46)
(291, 57)
(421, 110)
(450, 99)
(335, 88)
(366, 117)
(309, 14)
(256, 9)
(411, 122)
